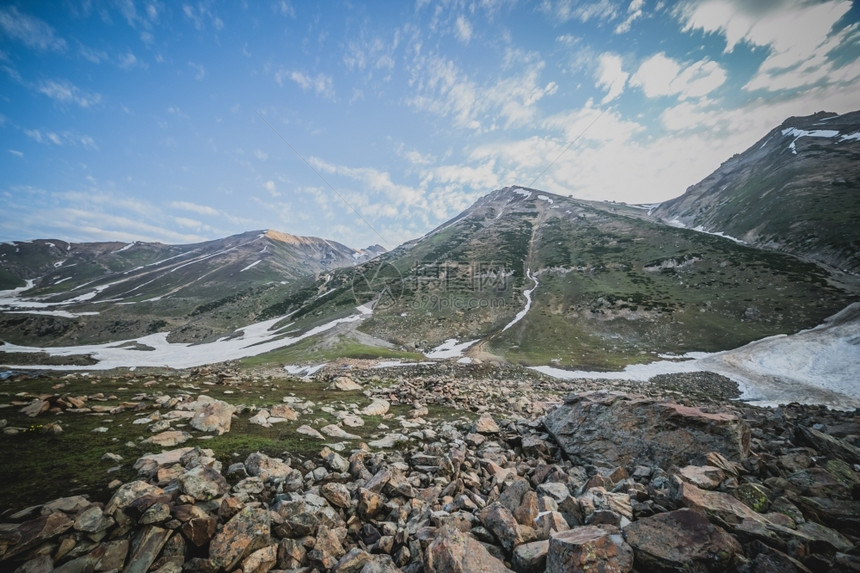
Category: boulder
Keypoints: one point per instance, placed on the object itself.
(682, 540)
(485, 424)
(344, 384)
(587, 548)
(378, 407)
(168, 439)
(203, 483)
(453, 551)
(246, 532)
(264, 467)
(211, 415)
(610, 430)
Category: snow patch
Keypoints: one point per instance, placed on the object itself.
(305, 371)
(251, 266)
(125, 248)
(450, 349)
(545, 198)
(849, 136)
(523, 192)
(798, 133)
(251, 340)
(816, 366)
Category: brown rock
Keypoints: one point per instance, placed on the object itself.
(526, 513)
(610, 429)
(145, 548)
(586, 548)
(485, 424)
(35, 531)
(500, 521)
(36, 407)
(199, 530)
(203, 483)
(168, 439)
(705, 477)
(260, 465)
(211, 415)
(344, 384)
(246, 532)
(531, 557)
(369, 503)
(336, 494)
(681, 540)
(261, 560)
(453, 551)
(129, 492)
(284, 411)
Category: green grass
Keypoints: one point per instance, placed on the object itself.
(309, 350)
(39, 467)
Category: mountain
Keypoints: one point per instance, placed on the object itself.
(92, 292)
(522, 276)
(797, 190)
(536, 278)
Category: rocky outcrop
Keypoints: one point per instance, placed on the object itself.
(496, 494)
(610, 430)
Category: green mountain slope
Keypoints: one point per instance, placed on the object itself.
(797, 190)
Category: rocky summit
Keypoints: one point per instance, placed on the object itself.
(598, 480)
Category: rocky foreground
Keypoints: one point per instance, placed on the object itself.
(604, 481)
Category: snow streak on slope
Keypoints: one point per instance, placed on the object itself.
(528, 295)
(254, 339)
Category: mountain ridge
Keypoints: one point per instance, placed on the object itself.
(796, 190)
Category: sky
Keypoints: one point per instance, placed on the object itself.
(375, 122)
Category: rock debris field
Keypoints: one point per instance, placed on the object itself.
(438, 468)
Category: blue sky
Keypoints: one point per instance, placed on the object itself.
(163, 121)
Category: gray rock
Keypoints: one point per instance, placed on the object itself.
(611, 430)
(695, 544)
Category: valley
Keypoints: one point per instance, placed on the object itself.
(538, 377)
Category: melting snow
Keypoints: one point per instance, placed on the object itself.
(528, 295)
(523, 192)
(61, 313)
(816, 366)
(305, 371)
(396, 363)
(251, 266)
(253, 339)
(798, 133)
(849, 136)
(545, 198)
(450, 349)
(125, 248)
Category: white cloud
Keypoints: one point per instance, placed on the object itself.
(634, 12)
(200, 15)
(440, 87)
(15, 152)
(271, 188)
(564, 10)
(199, 70)
(661, 75)
(321, 84)
(463, 30)
(260, 154)
(29, 30)
(66, 92)
(194, 208)
(800, 37)
(611, 76)
(127, 60)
